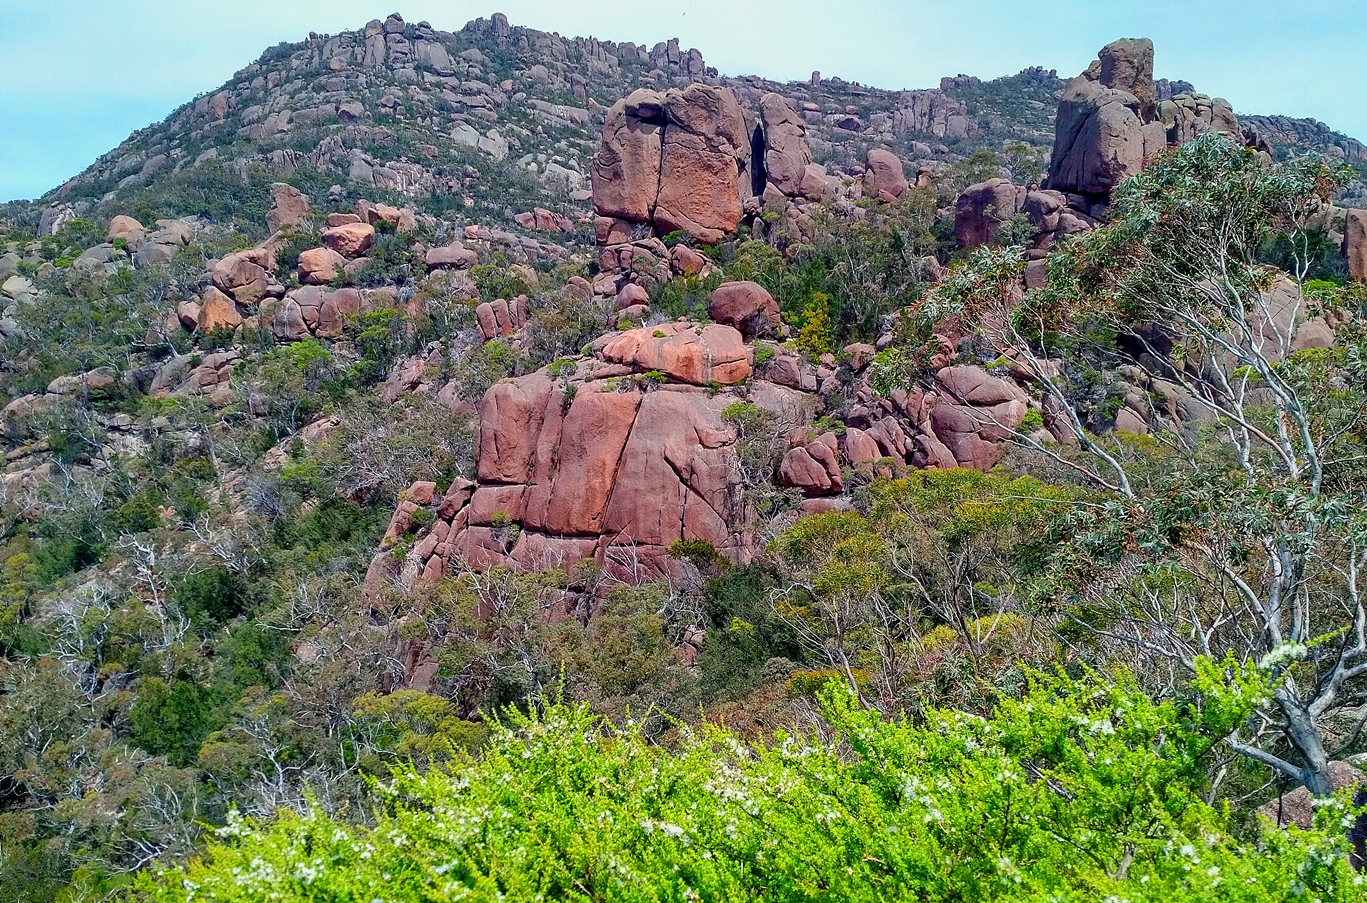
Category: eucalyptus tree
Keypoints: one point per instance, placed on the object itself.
(1238, 528)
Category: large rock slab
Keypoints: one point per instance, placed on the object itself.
(289, 207)
(319, 266)
(706, 153)
(609, 471)
(240, 279)
(626, 169)
(786, 152)
(675, 161)
(747, 306)
(1355, 243)
(350, 240)
(687, 352)
(675, 477)
(884, 177)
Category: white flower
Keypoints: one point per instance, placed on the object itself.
(1283, 655)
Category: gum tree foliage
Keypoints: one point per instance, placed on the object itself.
(1081, 790)
(1247, 536)
(879, 596)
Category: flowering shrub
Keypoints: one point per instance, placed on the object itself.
(1082, 790)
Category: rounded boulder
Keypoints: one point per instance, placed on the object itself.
(747, 306)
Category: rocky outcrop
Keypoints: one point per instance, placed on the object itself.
(1186, 116)
(500, 317)
(124, 228)
(215, 311)
(1355, 243)
(981, 210)
(609, 472)
(674, 161)
(694, 160)
(1111, 122)
(454, 256)
(1100, 130)
(932, 112)
(1307, 135)
(615, 456)
(542, 220)
(975, 416)
(786, 153)
(1287, 326)
(813, 467)
(312, 310)
(205, 375)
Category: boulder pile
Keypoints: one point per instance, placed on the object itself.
(615, 455)
(1111, 123)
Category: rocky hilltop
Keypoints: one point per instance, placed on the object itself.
(496, 118)
(425, 113)
(633, 441)
(607, 462)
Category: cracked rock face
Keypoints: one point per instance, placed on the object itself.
(612, 458)
(616, 466)
(786, 153)
(700, 355)
(1355, 243)
(675, 161)
(614, 461)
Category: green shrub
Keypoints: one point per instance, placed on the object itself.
(140, 513)
(213, 596)
(497, 281)
(172, 719)
(1082, 791)
(685, 296)
(701, 553)
(421, 519)
(816, 335)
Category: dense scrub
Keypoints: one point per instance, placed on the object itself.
(1081, 790)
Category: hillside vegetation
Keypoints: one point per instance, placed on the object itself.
(490, 465)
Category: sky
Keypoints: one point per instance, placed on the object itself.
(77, 76)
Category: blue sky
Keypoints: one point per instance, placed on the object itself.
(76, 76)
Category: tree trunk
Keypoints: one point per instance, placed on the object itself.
(1304, 735)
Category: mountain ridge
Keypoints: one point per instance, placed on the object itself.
(583, 74)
